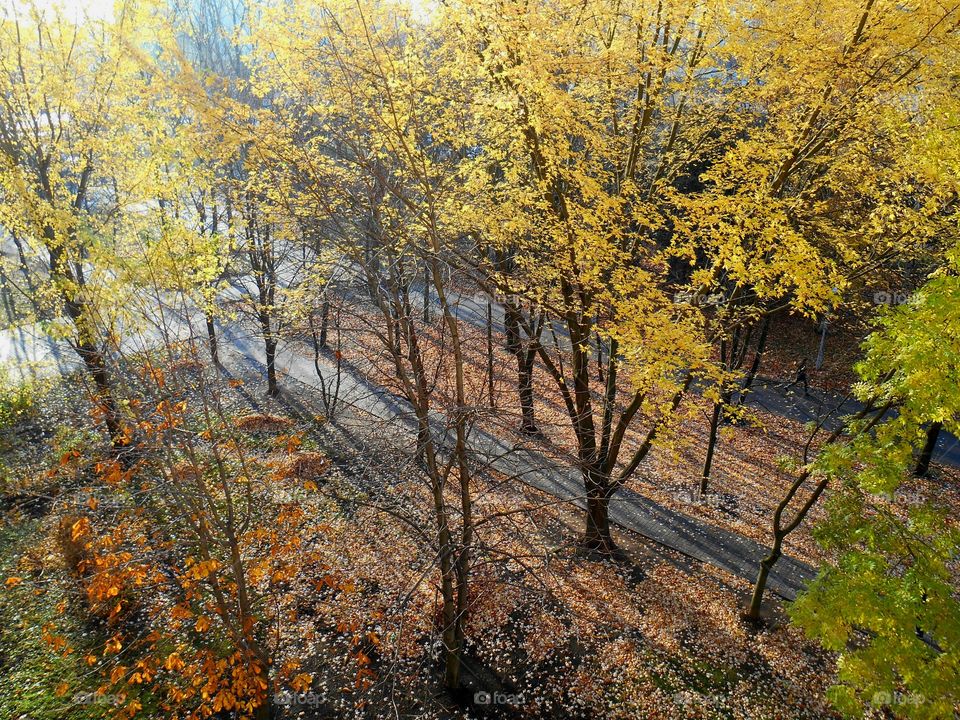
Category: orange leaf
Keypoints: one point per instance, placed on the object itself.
(301, 683)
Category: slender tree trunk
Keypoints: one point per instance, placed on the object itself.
(212, 338)
(451, 646)
(25, 269)
(528, 425)
(324, 323)
(8, 304)
(711, 447)
(426, 294)
(756, 600)
(490, 391)
(599, 358)
(926, 454)
(270, 348)
(454, 631)
(264, 711)
(96, 366)
(715, 423)
(86, 347)
(781, 529)
(524, 358)
(208, 314)
(757, 359)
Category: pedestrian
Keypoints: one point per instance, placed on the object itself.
(800, 377)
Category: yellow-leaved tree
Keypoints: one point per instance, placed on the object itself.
(71, 133)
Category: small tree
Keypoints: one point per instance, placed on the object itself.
(892, 586)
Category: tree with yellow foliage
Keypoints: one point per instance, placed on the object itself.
(69, 133)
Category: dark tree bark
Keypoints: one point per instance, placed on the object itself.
(715, 417)
(926, 454)
(426, 294)
(757, 360)
(212, 338)
(597, 535)
(711, 448)
(781, 529)
(490, 389)
(208, 315)
(270, 347)
(324, 323)
(263, 264)
(524, 351)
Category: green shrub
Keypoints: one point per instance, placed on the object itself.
(19, 399)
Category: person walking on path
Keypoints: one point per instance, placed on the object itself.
(800, 377)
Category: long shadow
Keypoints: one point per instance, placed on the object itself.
(766, 394)
(702, 541)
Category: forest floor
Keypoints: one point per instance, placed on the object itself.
(552, 634)
(653, 634)
(751, 467)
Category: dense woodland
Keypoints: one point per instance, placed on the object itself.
(480, 359)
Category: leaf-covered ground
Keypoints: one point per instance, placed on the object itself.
(553, 633)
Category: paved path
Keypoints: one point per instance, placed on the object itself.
(766, 393)
(630, 510)
(820, 406)
(693, 537)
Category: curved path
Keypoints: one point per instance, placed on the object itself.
(32, 353)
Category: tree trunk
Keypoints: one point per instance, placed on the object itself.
(264, 711)
(923, 463)
(599, 358)
(757, 359)
(597, 535)
(490, 391)
(451, 646)
(324, 324)
(781, 529)
(711, 447)
(96, 366)
(753, 612)
(8, 303)
(524, 358)
(725, 362)
(426, 294)
(528, 425)
(270, 346)
(212, 338)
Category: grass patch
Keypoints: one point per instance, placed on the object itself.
(31, 669)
